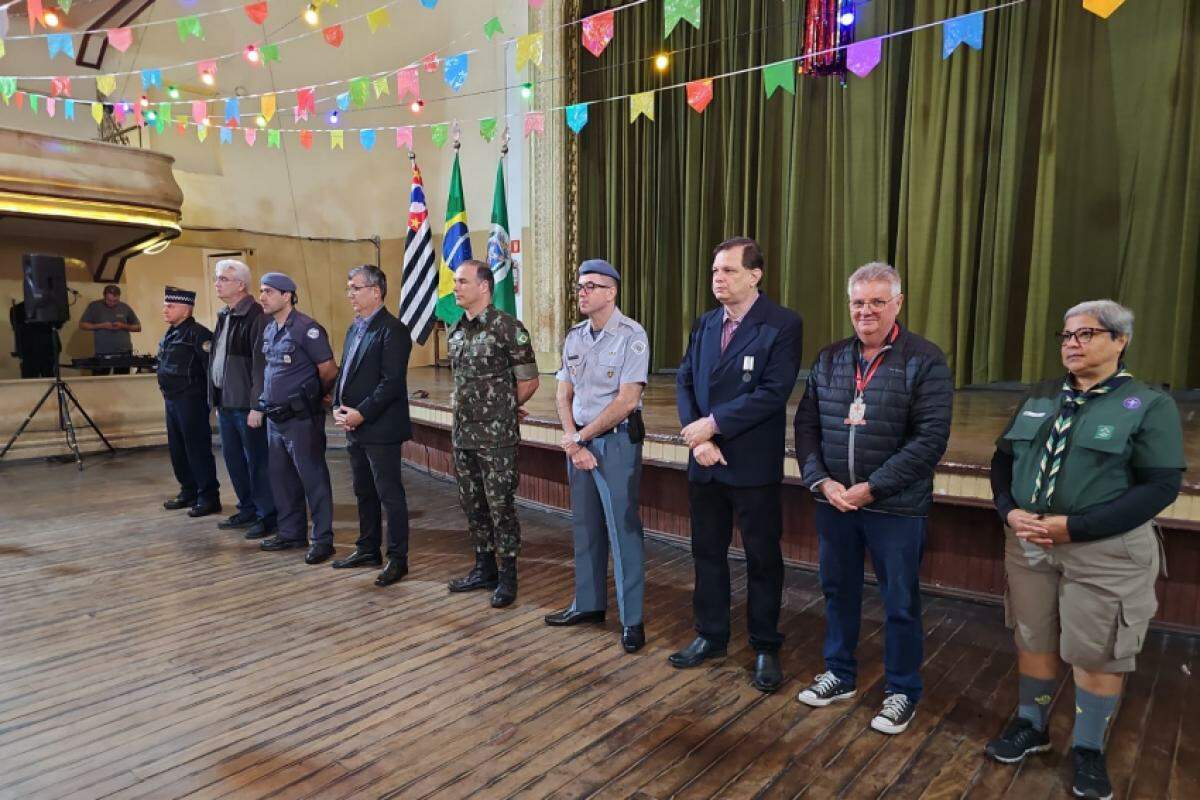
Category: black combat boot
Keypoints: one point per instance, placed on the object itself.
(481, 576)
(506, 589)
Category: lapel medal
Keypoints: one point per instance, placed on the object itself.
(858, 412)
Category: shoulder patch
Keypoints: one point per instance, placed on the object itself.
(638, 347)
(522, 338)
(206, 346)
(314, 333)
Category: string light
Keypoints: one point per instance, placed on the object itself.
(333, 117)
(416, 106)
(151, 116)
(251, 54)
(847, 18)
(260, 121)
(173, 92)
(526, 90)
(50, 19)
(661, 62)
(207, 78)
(145, 101)
(311, 16)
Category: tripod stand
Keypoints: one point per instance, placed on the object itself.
(65, 396)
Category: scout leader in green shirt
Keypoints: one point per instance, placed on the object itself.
(1079, 474)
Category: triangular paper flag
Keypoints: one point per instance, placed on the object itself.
(97, 112)
(120, 38)
(404, 137)
(455, 71)
(232, 111)
(306, 139)
(781, 75)
(60, 86)
(273, 138)
(305, 103)
(60, 43)
(535, 3)
(699, 95)
(257, 12)
(19, 102)
(226, 135)
(199, 111)
(366, 138)
(8, 87)
(165, 113)
(577, 116)
(269, 53)
(429, 3)
(266, 106)
(33, 103)
(189, 26)
(33, 10)
(337, 140)
(358, 92)
(968, 28)
(251, 134)
(379, 18)
(380, 86)
(50, 106)
(675, 10)
(202, 132)
(118, 112)
(430, 62)
(487, 128)
(333, 35)
(1102, 8)
(3, 22)
(181, 127)
(105, 84)
(862, 57)
(535, 122)
(2, 51)
(529, 49)
(492, 27)
(439, 133)
(597, 32)
(343, 101)
(65, 5)
(408, 80)
(641, 103)
(151, 77)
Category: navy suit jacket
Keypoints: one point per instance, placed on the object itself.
(376, 382)
(750, 406)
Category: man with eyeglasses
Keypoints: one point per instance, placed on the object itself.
(370, 403)
(606, 359)
(872, 425)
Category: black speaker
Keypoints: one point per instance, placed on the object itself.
(45, 288)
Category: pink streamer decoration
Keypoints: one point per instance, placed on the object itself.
(408, 81)
(404, 137)
(535, 122)
(597, 32)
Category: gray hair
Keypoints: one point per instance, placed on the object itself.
(372, 276)
(875, 271)
(240, 271)
(1111, 315)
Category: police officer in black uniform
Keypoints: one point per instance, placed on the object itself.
(183, 380)
(300, 371)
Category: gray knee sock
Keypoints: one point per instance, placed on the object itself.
(1036, 694)
(1092, 715)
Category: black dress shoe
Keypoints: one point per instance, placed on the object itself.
(260, 530)
(242, 519)
(767, 675)
(359, 559)
(318, 553)
(699, 651)
(482, 576)
(176, 503)
(396, 569)
(633, 637)
(569, 616)
(276, 543)
(204, 509)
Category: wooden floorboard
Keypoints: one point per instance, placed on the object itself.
(147, 655)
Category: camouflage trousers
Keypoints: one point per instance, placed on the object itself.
(487, 486)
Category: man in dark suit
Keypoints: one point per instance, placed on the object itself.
(732, 391)
(370, 403)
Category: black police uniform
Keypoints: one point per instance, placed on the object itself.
(183, 380)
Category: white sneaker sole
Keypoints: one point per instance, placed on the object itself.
(890, 728)
(1078, 793)
(1041, 748)
(810, 699)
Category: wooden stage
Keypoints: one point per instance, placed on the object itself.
(964, 553)
(146, 655)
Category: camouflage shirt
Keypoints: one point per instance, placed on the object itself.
(488, 354)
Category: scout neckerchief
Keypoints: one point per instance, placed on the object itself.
(858, 408)
(1056, 444)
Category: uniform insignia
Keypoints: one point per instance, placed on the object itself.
(206, 346)
(287, 359)
(522, 338)
(314, 333)
(1132, 403)
(1105, 431)
(638, 347)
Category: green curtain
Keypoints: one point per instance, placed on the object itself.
(1060, 163)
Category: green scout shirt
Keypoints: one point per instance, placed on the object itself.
(488, 354)
(1134, 426)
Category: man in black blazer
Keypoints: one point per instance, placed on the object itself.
(732, 391)
(370, 403)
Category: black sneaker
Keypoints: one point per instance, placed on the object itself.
(894, 716)
(1091, 775)
(1019, 739)
(826, 688)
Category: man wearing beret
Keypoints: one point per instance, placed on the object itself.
(183, 381)
(604, 366)
(299, 373)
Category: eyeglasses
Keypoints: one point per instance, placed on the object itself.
(874, 305)
(589, 287)
(1081, 335)
(225, 279)
(354, 289)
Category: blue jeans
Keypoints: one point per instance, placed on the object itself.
(245, 452)
(896, 545)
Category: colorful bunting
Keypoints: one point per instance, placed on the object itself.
(455, 71)
(97, 112)
(780, 75)
(366, 138)
(266, 106)
(408, 80)
(165, 113)
(862, 57)
(105, 84)
(8, 87)
(199, 111)
(232, 111)
(379, 18)
(380, 86)
(598, 32)
(33, 103)
(404, 137)
(1102, 8)
(251, 136)
(60, 43)
(967, 29)
(641, 104)
(337, 140)
(20, 101)
(306, 103)
(273, 138)
(699, 95)
(35, 12)
(202, 132)
(268, 53)
(439, 133)
(65, 5)
(208, 66)
(306, 139)
(535, 3)
(151, 78)
(675, 10)
(226, 136)
(60, 86)
(2, 51)
(430, 62)
(68, 109)
(189, 27)
(121, 38)
(577, 116)
(333, 35)
(343, 101)
(257, 12)
(3, 22)
(529, 49)
(535, 122)
(429, 3)
(492, 27)
(358, 92)
(50, 105)
(487, 128)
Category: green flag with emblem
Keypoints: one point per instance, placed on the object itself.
(499, 253)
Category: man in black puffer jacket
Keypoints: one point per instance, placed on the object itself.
(870, 430)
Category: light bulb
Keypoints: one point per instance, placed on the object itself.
(661, 62)
(847, 18)
(527, 90)
(145, 101)
(205, 122)
(260, 121)
(311, 16)
(173, 92)
(416, 106)
(151, 116)
(251, 54)
(207, 78)
(50, 19)
(333, 117)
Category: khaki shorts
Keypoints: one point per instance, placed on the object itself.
(1091, 602)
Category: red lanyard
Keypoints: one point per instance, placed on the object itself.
(860, 383)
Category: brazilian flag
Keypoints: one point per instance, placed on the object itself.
(456, 248)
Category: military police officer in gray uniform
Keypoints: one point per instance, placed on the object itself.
(300, 371)
(605, 362)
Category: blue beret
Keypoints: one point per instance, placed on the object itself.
(598, 266)
(279, 282)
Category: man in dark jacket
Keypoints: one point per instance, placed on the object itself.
(732, 391)
(370, 403)
(871, 428)
(235, 383)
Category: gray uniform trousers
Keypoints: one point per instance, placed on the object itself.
(604, 505)
(296, 465)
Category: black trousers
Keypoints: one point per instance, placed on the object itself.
(760, 519)
(189, 441)
(377, 486)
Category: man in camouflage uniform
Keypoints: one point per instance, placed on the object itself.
(495, 373)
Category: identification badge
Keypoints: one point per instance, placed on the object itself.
(748, 364)
(287, 359)
(858, 412)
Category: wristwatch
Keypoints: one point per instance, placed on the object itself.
(577, 439)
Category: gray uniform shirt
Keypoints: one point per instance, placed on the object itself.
(597, 366)
(110, 341)
(293, 351)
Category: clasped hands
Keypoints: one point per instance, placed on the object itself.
(1044, 531)
(581, 457)
(347, 418)
(698, 436)
(843, 499)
